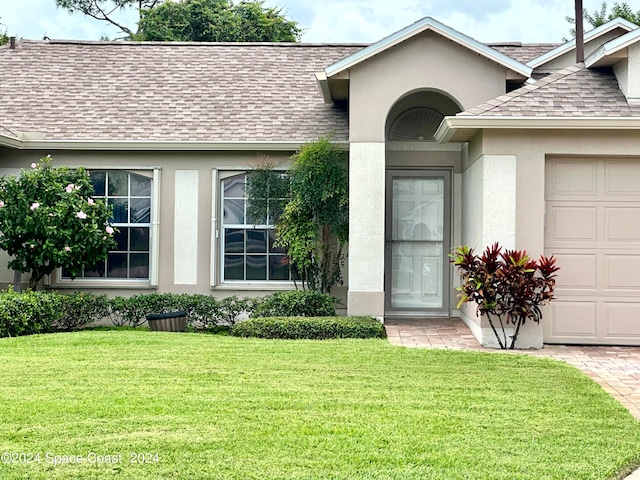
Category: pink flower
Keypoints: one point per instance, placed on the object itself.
(34, 165)
(81, 215)
(34, 205)
(109, 229)
(69, 187)
(1, 203)
(104, 238)
(90, 201)
(67, 249)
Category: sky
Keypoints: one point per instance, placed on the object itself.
(352, 21)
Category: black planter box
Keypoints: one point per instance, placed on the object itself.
(167, 322)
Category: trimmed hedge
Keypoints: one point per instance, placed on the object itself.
(31, 312)
(295, 303)
(313, 328)
(79, 309)
(27, 313)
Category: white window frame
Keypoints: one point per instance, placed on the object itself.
(218, 176)
(154, 173)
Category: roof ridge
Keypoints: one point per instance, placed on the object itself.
(532, 87)
(194, 44)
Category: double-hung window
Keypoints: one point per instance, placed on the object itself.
(248, 251)
(130, 195)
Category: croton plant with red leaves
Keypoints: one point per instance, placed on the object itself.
(508, 286)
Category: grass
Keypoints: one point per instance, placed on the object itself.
(215, 407)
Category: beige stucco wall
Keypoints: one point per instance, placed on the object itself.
(530, 150)
(427, 61)
(627, 72)
(191, 172)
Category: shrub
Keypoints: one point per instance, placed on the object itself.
(27, 313)
(302, 303)
(201, 310)
(133, 311)
(231, 308)
(508, 286)
(80, 309)
(314, 328)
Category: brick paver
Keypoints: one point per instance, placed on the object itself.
(616, 369)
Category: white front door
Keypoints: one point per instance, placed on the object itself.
(417, 242)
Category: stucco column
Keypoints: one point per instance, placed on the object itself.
(366, 229)
(491, 205)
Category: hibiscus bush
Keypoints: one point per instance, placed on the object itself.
(49, 219)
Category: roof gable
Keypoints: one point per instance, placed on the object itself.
(588, 37)
(613, 51)
(572, 92)
(418, 27)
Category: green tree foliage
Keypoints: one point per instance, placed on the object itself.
(600, 17)
(314, 224)
(4, 38)
(48, 219)
(193, 20)
(216, 21)
(104, 10)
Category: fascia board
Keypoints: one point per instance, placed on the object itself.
(590, 35)
(323, 85)
(10, 141)
(612, 47)
(450, 125)
(428, 23)
(150, 145)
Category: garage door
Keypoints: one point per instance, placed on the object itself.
(592, 227)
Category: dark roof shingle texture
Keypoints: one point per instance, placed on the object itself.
(523, 52)
(572, 92)
(173, 92)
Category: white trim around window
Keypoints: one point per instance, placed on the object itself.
(154, 241)
(218, 228)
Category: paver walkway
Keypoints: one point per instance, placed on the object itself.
(616, 369)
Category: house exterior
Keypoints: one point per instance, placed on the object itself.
(450, 142)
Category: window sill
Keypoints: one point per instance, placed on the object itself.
(267, 287)
(102, 284)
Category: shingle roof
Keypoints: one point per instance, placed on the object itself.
(572, 92)
(523, 52)
(159, 91)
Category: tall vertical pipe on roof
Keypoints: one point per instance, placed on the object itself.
(12, 43)
(579, 32)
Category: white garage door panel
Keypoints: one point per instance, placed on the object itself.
(622, 322)
(621, 272)
(578, 271)
(572, 178)
(622, 224)
(592, 227)
(576, 320)
(622, 178)
(573, 223)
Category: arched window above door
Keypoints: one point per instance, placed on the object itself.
(415, 125)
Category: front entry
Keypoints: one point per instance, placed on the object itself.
(417, 245)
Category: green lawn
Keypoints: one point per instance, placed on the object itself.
(215, 407)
